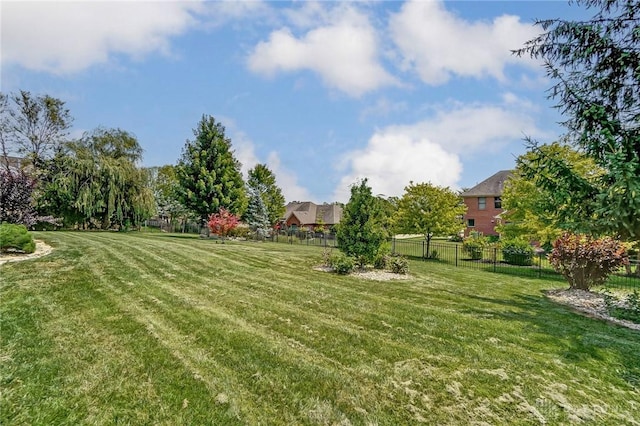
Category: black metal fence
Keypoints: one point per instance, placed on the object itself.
(308, 238)
(184, 227)
(492, 259)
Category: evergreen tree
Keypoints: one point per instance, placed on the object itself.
(360, 232)
(208, 174)
(264, 181)
(256, 215)
(595, 65)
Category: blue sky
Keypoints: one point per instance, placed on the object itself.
(325, 93)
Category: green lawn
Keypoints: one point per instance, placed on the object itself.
(167, 329)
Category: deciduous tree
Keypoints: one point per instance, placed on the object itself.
(534, 212)
(429, 210)
(94, 182)
(263, 180)
(165, 187)
(33, 126)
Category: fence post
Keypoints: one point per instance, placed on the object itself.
(393, 245)
(540, 265)
(423, 250)
(456, 254)
(495, 258)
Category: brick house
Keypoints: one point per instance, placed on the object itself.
(310, 215)
(484, 204)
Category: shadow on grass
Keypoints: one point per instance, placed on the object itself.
(575, 337)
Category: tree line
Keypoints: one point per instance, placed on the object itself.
(96, 181)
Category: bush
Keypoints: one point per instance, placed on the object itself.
(399, 265)
(16, 238)
(241, 231)
(586, 261)
(341, 263)
(517, 252)
(491, 239)
(473, 246)
(381, 261)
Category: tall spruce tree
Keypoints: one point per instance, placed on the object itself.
(208, 173)
(360, 232)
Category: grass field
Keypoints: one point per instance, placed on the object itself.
(169, 329)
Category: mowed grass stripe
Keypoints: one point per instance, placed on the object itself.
(288, 345)
(96, 353)
(383, 332)
(186, 294)
(240, 357)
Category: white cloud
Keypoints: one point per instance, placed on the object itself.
(392, 159)
(437, 44)
(244, 151)
(287, 180)
(432, 150)
(343, 51)
(67, 37)
(465, 129)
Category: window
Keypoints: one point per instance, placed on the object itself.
(482, 203)
(471, 223)
(497, 203)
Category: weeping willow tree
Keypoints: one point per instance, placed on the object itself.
(95, 182)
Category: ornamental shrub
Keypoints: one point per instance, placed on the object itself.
(473, 246)
(586, 261)
(399, 265)
(341, 263)
(517, 252)
(222, 222)
(16, 198)
(381, 261)
(16, 238)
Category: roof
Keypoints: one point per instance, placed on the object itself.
(491, 186)
(13, 163)
(309, 213)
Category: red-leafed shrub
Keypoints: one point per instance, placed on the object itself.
(16, 192)
(222, 222)
(586, 261)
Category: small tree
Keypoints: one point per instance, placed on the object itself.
(586, 261)
(223, 222)
(360, 233)
(256, 215)
(429, 210)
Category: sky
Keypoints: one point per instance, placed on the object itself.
(325, 93)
